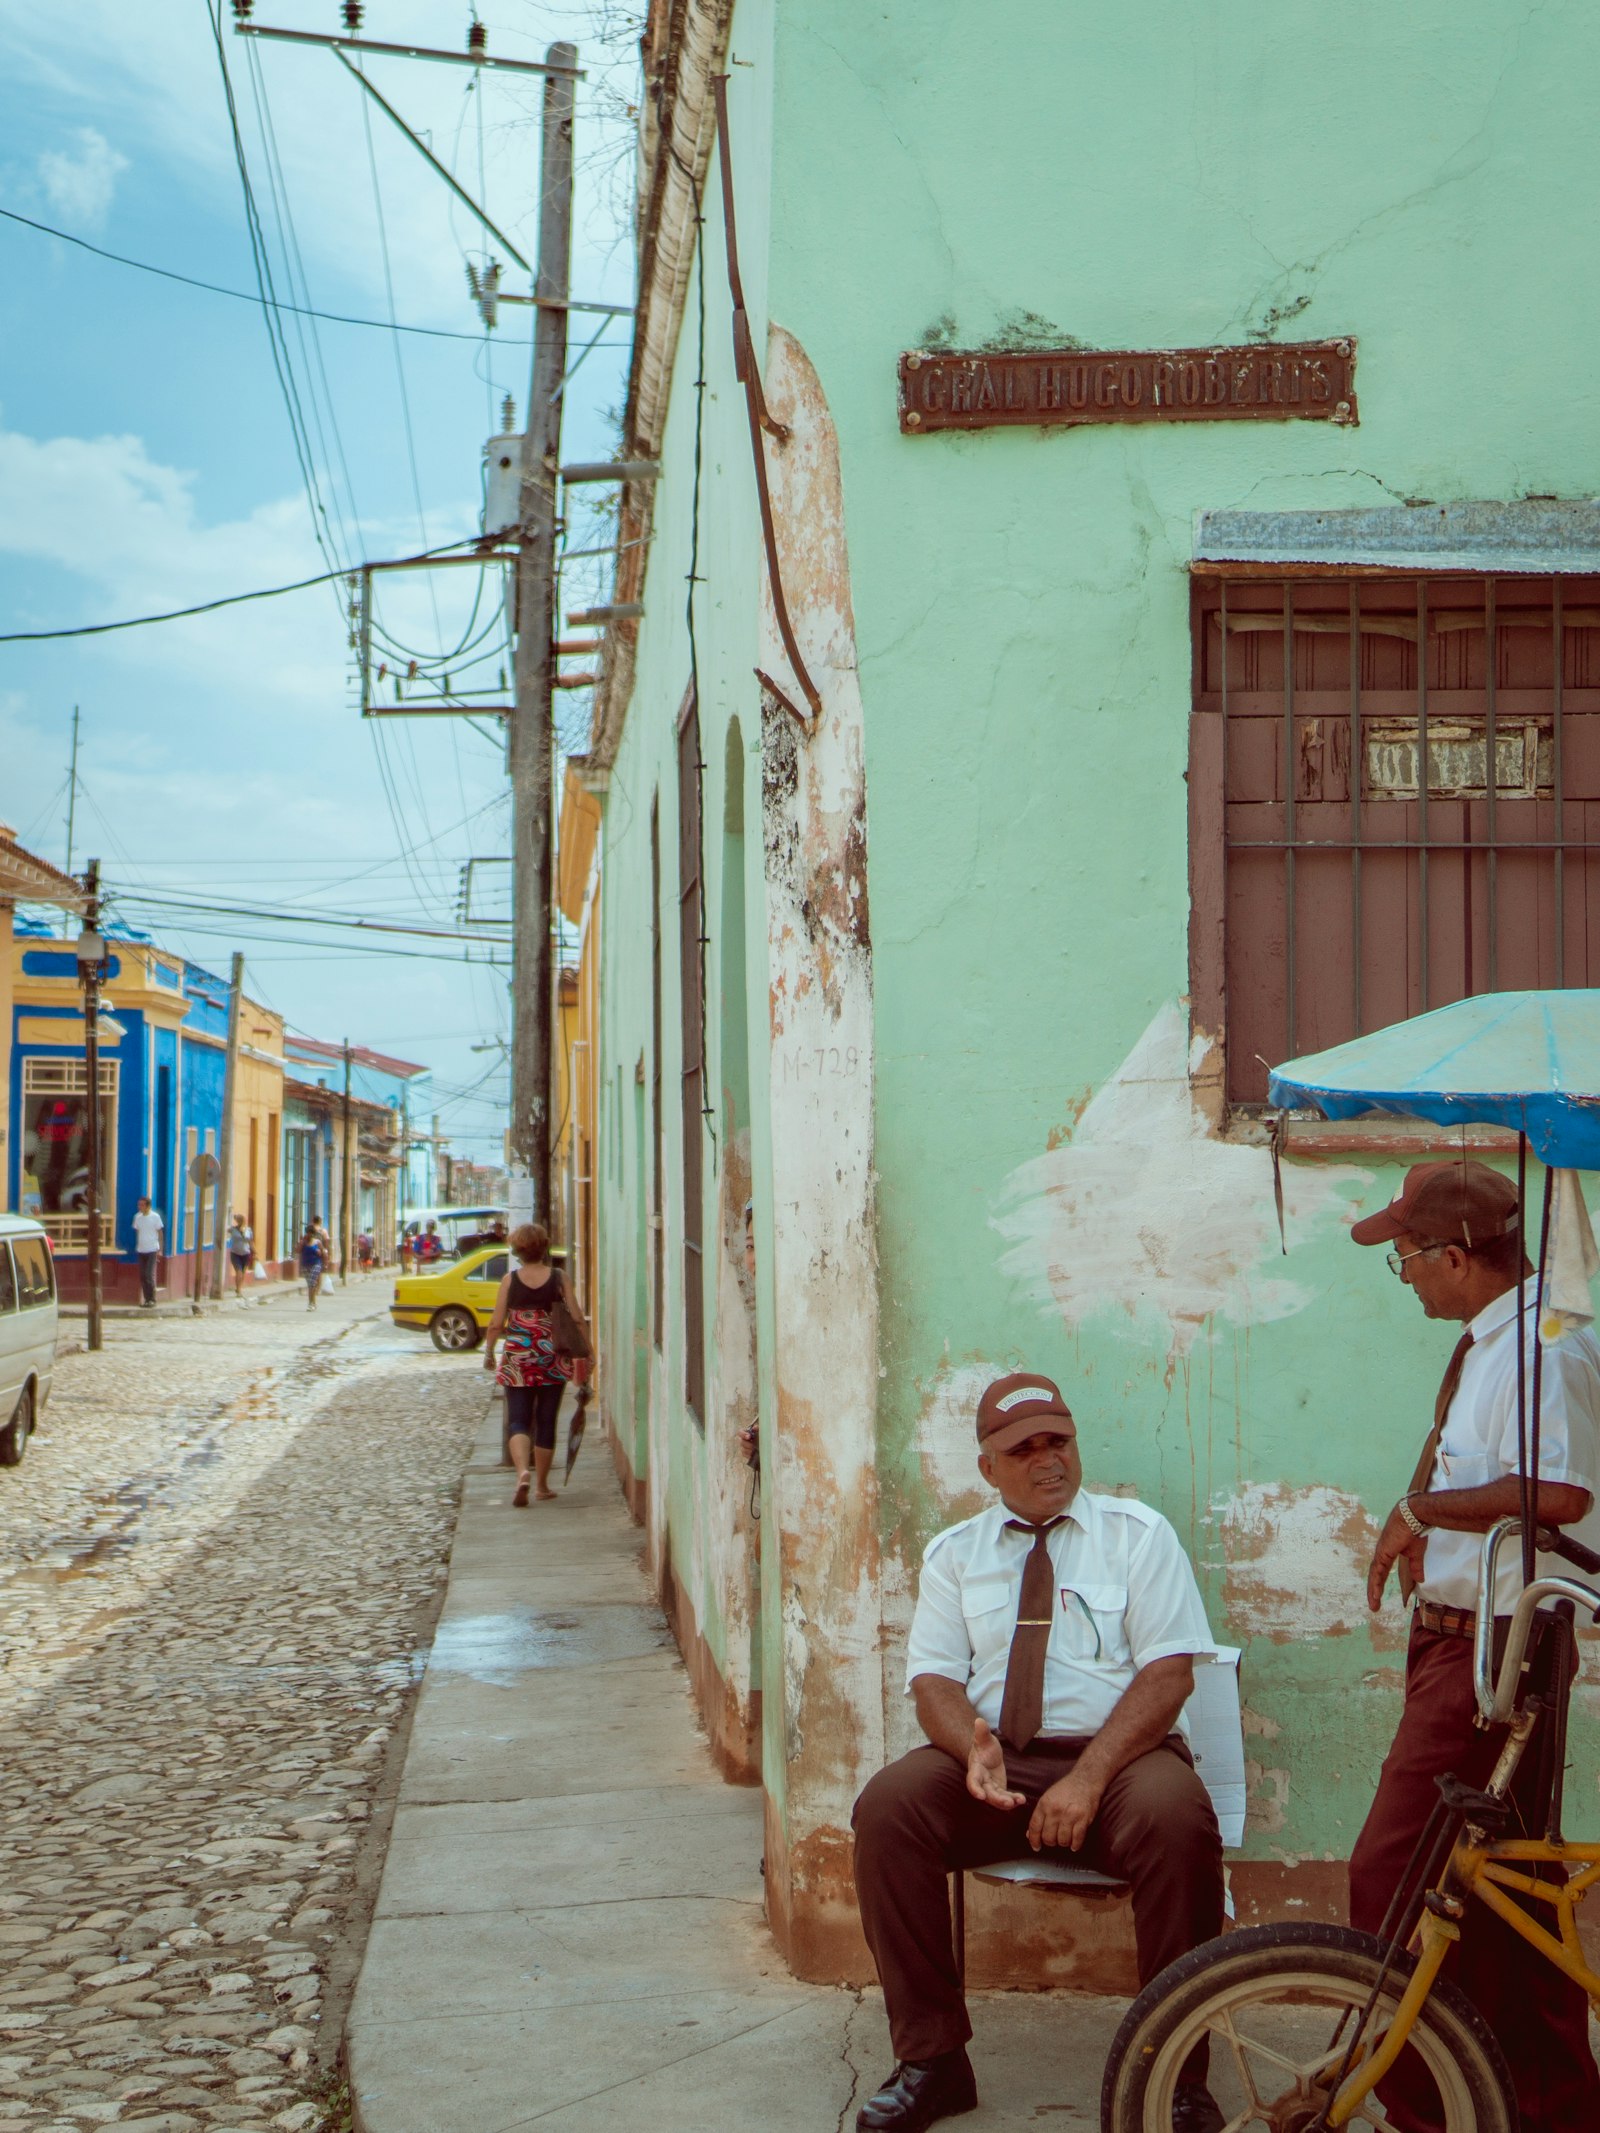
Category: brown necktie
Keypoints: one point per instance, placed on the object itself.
(1022, 1707)
(1424, 1472)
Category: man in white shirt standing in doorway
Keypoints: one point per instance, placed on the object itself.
(147, 1233)
(1456, 1245)
(1051, 1655)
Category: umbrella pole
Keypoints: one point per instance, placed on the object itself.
(1524, 1475)
(1538, 1344)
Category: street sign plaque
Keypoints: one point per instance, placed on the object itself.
(204, 1169)
(1054, 388)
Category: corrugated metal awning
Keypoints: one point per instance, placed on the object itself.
(1502, 538)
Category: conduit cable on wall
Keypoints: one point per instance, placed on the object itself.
(749, 376)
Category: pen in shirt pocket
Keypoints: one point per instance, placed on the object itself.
(1068, 1596)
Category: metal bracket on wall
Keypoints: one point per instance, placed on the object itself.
(749, 376)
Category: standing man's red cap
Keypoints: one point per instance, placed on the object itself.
(1018, 1407)
(1446, 1203)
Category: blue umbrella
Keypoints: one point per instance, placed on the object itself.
(1526, 1060)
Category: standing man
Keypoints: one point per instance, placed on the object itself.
(1456, 1246)
(147, 1232)
(1051, 1655)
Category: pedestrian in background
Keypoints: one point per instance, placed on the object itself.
(147, 1232)
(313, 1262)
(532, 1370)
(241, 1243)
(430, 1246)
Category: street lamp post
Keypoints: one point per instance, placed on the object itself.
(92, 953)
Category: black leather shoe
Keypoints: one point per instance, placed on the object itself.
(1194, 2109)
(914, 2096)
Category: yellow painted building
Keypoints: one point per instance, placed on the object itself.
(572, 1155)
(27, 878)
(258, 1131)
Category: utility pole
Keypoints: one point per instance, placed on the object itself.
(532, 735)
(230, 1083)
(344, 1179)
(91, 965)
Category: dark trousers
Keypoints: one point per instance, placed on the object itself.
(1539, 2016)
(916, 1821)
(148, 1263)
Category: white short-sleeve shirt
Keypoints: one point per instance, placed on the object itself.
(1125, 1594)
(1479, 1443)
(147, 1231)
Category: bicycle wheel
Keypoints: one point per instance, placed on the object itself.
(1277, 2004)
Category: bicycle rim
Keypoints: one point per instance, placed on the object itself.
(1275, 2032)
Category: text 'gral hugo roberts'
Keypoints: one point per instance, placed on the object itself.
(1307, 381)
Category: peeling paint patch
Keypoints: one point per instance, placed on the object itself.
(1295, 1562)
(1268, 1799)
(1143, 1215)
(946, 1439)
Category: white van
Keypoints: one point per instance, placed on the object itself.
(27, 1331)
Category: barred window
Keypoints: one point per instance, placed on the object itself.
(1394, 802)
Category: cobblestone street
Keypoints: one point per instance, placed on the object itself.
(221, 1556)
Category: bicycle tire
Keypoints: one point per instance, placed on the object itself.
(1293, 1964)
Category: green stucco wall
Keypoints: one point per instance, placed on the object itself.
(1028, 173)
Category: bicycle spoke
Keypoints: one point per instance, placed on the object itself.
(1223, 2027)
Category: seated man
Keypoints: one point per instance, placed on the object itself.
(1051, 1657)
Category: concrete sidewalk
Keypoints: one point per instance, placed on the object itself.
(569, 1930)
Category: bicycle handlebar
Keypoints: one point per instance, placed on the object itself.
(1497, 1698)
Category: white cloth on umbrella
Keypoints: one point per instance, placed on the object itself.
(1571, 1260)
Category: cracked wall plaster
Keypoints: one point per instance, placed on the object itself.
(1145, 1218)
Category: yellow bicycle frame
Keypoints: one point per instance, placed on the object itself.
(1486, 1871)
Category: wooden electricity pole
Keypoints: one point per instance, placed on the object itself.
(230, 1083)
(532, 736)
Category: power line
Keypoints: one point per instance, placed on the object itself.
(243, 296)
(144, 897)
(207, 607)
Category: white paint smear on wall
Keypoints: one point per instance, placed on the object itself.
(1295, 1562)
(1144, 1216)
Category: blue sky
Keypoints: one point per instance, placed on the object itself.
(147, 461)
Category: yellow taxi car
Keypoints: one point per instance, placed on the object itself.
(454, 1301)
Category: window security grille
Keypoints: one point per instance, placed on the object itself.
(1337, 886)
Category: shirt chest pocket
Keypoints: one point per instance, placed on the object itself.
(1093, 1622)
(989, 1606)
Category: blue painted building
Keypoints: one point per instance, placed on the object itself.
(163, 1051)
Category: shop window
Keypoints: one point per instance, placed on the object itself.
(55, 1152)
(1394, 802)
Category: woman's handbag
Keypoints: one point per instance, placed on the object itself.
(567, 1336)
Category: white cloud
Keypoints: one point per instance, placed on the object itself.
(81, 182)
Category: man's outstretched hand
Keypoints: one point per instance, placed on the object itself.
(986, 1771)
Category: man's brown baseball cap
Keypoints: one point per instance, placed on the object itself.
(1017, 1407)
(1446, 1203)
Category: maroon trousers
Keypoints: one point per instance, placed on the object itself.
(916, 1821)
(1540, 2018)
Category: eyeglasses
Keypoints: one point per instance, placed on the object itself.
(1397, 1260)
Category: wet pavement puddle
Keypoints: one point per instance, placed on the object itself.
(495, 1647)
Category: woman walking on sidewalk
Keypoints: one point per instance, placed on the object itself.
(533, 1369)
(241, 1251)
(313, 1261)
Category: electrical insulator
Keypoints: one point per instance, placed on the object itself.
(508, 414)
(477, 37)
(243, 9)
(352, 15)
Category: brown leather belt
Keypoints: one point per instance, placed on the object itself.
(1447, 1621)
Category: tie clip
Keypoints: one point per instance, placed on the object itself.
(1034, 1622)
